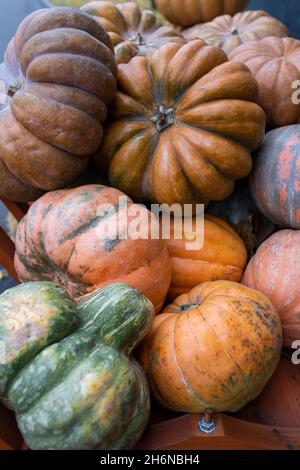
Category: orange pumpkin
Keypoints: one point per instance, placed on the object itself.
(77, 239)
(212, 349)
(223, 256)
(182, 126)
(275, 63)
(133, 31)
(189, 12)
(275, 271)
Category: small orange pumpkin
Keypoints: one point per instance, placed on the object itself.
(212, 349)
(223, 256)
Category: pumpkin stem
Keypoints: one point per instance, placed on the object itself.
(12, 89)
(163, 119)
(185, 308)
(138, 39)
(234, 31)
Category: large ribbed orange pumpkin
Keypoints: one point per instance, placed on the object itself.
(223, 256)
(212, 349)
(182, 126)
(275, 271)
(77, 239)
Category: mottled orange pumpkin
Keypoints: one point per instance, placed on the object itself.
(275, 271)
(223, 256)
(229, 32)
(182, 126)
(133, 31)
(189, 12)
(77, 239)
(212, 349)
(57, 78)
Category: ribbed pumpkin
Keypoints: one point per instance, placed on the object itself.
(182, 126)
(275, 271)
(212, 349)
(189, 12)
(230, 32)
(77, 238)
(132, 30)
(275, 181)
(68, 373)
(275, 63)
(223, 256)
(59, 75)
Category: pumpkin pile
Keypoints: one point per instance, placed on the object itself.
(163, 117)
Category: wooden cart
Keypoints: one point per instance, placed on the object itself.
(272, 422)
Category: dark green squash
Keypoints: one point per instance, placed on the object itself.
(67, 372)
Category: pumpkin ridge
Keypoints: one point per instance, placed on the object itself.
(194, 190)
(80, 52)
(33, 182)
(213, 372)
(185, 380)
(255, 343)
(74, 85)
(203, 157)
(229, 139)
(55, 100)
(226, 352)
(4, 163)
(51, 139)
(200, 261)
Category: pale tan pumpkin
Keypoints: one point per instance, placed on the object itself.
(229, 32)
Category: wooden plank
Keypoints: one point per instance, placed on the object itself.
(231, 434)
(7, 252)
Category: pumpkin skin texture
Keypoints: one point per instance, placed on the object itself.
(274, 270)
(223, 257)
(275, 181)
(182, 126)
(69, 375)
(212, 349)
(133, 31)
(74, 238)
(189, 12)
(60, 71)
(230, 32)
(275, 63)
